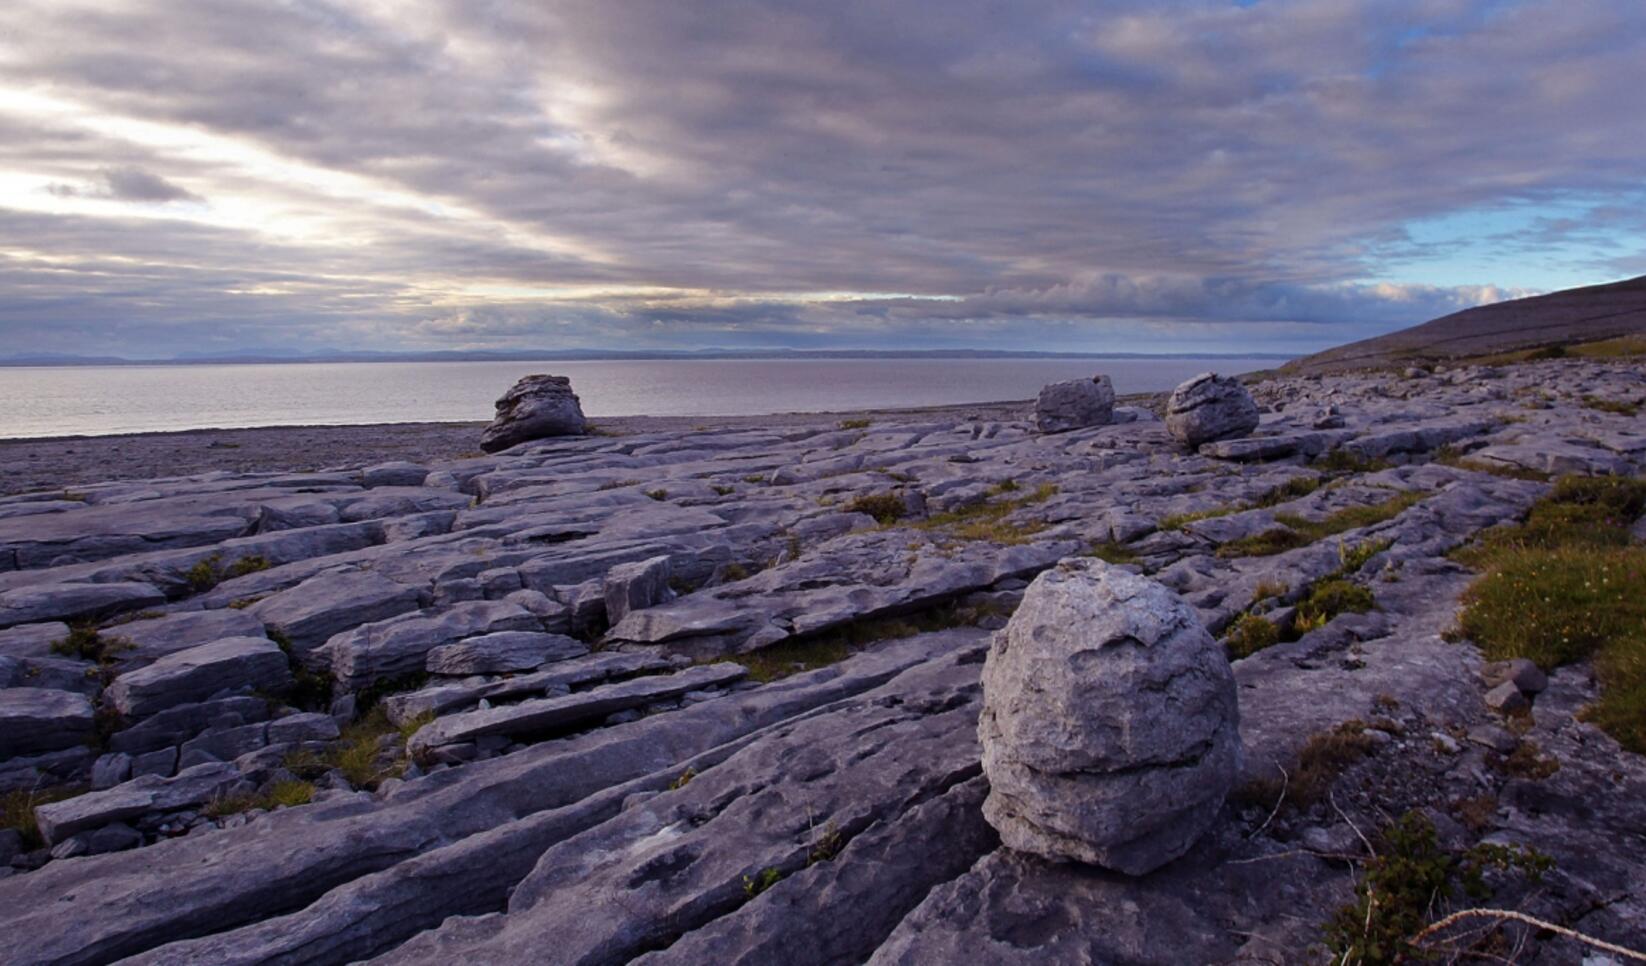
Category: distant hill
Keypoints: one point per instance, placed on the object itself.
(1567, 317)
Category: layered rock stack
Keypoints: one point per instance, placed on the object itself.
(1210, 407)
(1109, 724)
(536, 407)
(1075, 404)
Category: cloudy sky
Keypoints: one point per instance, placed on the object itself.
(1134, 175)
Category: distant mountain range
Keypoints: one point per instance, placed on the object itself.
(1569, 317)
(575, 355)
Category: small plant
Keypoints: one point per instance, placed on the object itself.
(855, 423)
(988, 520)
(17, 811)
(616, 484)
(886, 508)
(659, 495)
(683, 779)
(204, 575)
(1269, 589)
(1321, 759)
(1006, 486)
(827, 845)
(248, 565)
(1293, 489)
(755, 478)
(1351, 559)
(734, 571)
(1250, 634)
(1526, 761)
(755, 885)
(720, 489)
(1328, 599)
(82, 642)
(1408, 884)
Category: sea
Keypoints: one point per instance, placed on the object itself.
(99, 400)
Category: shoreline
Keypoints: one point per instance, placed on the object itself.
(47, 463)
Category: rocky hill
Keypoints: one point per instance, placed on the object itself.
(688, 697)
(1590, 314)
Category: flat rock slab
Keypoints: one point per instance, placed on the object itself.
(547, 714)
(571, 673)
(502, 653)
(67, 602)
(157, 637)
(234, 664)
(400, 645)
(35, 720)
(134, 799)
(311, 612)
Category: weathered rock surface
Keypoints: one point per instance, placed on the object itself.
(1109, 724)
(65, 602)
(234, 664)
(503, 653)
(140, 796)
(33, 720)
(635, 586)
(1210, 407)
(619, 814)
(533, 408)
(1075, 404)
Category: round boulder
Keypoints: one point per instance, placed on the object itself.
(1075, 404)
(536, 407)
(1109, 724)
(1210, 407)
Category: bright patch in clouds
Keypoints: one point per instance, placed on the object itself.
(1133, 176)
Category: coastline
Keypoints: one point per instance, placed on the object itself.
(36, 464)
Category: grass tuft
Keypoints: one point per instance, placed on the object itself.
(1565, 586)
(1329, 598)
(886, 508)
(1250, 634)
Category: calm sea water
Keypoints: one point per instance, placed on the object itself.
(74, 400)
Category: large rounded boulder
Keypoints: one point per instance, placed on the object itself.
(1210, 407)
(536, 407)
(1109, 724)
(1075, 404)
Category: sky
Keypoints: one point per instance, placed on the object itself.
(199, 176)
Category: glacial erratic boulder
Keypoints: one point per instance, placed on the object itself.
(1075, 404)
(535, 407)
(1210, 407)
(1109, 723)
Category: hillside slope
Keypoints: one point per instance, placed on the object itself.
(1571, 316)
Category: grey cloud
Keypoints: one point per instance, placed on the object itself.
(1044, 173)
(126, 184)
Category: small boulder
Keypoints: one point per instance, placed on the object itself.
(1525, 675)
(1210, 407)
(533, 408)
(1507, 699)
(1075, 404)
(1109, 723)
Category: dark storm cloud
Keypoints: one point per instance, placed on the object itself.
(1046, 174)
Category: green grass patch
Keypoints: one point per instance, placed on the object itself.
(1565, 586)
(833, 646)
(658, 495)
(886, 508)
(988, 520)
(1110, 551)
(1250, 634)
(856, 423)
(1296, 531)
(281, 794)
(1329, 598)
(1621, 407)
